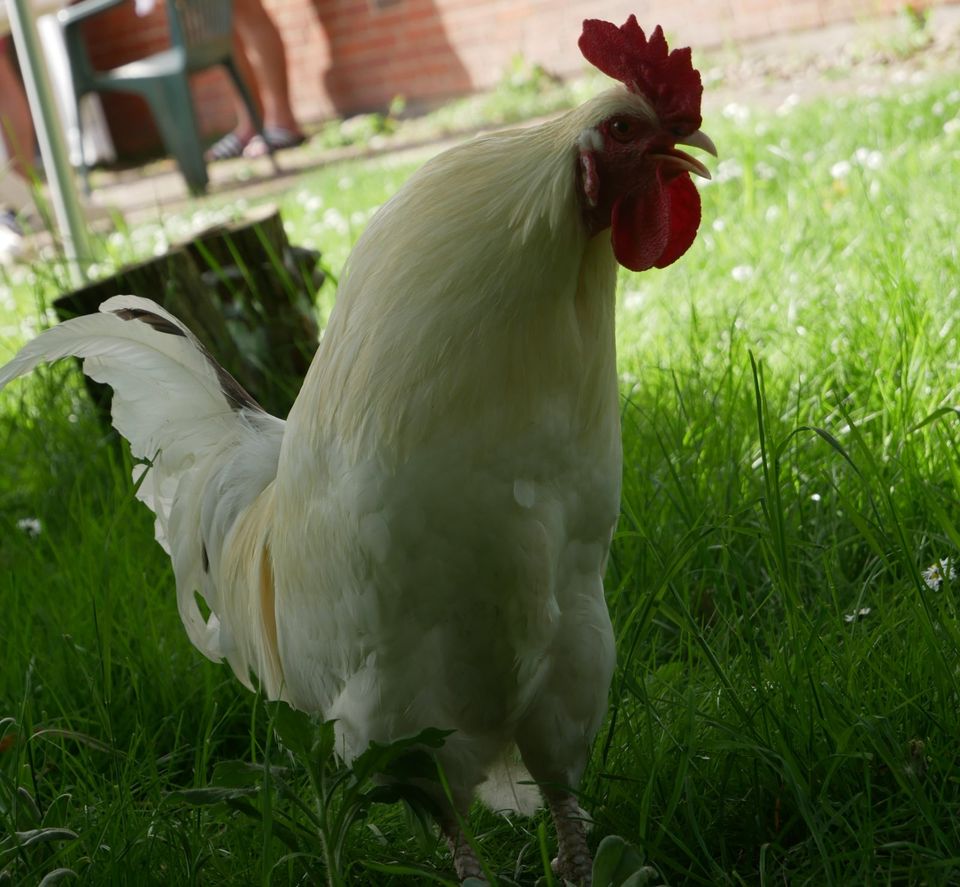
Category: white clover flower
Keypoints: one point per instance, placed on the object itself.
(736, 112)
(335, 220)
(30, 525)
(840, 169)
(28, 328)
(868, 159)
(934, 574)
(727, 170)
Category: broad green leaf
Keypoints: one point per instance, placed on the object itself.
(385, 758)
(56, 876)
(644, 877)
(295, 728)
(615, 861)
(44, 835)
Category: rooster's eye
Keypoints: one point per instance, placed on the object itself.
(624, 129)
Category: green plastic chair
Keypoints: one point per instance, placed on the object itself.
(201, 36)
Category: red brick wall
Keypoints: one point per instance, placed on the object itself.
(353, 55)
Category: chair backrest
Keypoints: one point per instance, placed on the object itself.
(202, 28)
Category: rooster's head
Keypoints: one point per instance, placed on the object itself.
(632, 177)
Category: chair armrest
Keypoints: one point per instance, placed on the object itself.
(72, 15)
(70, 19)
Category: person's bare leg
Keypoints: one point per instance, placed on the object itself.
(264, 56)
(15, 121)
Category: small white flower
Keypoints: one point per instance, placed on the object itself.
(841, 169)
(856, 615)
(742, 273)
(335, 220)
(30, 525)
(727, 170)
(736, 112)
(868, 159)
(934, 574)
(952, 126)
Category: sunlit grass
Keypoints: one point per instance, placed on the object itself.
(785, 707)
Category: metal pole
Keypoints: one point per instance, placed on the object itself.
(63, 189)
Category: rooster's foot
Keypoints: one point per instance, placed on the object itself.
(465, 862)
(574, 862)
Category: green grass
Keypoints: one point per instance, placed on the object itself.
(785, 709)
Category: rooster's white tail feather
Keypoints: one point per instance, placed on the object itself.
(211, 451)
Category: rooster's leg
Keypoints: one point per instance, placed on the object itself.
(465, 862)
(573, 862)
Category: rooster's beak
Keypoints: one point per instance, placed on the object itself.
(680, 160)
(700, 140)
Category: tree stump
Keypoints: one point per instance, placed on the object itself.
(243, 290)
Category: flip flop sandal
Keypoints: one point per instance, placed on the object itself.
(277, 137)
(227, 148)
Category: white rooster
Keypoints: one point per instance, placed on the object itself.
(422, 542)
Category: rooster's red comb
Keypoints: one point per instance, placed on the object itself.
(666, 79)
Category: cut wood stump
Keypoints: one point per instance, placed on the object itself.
(243, 290)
